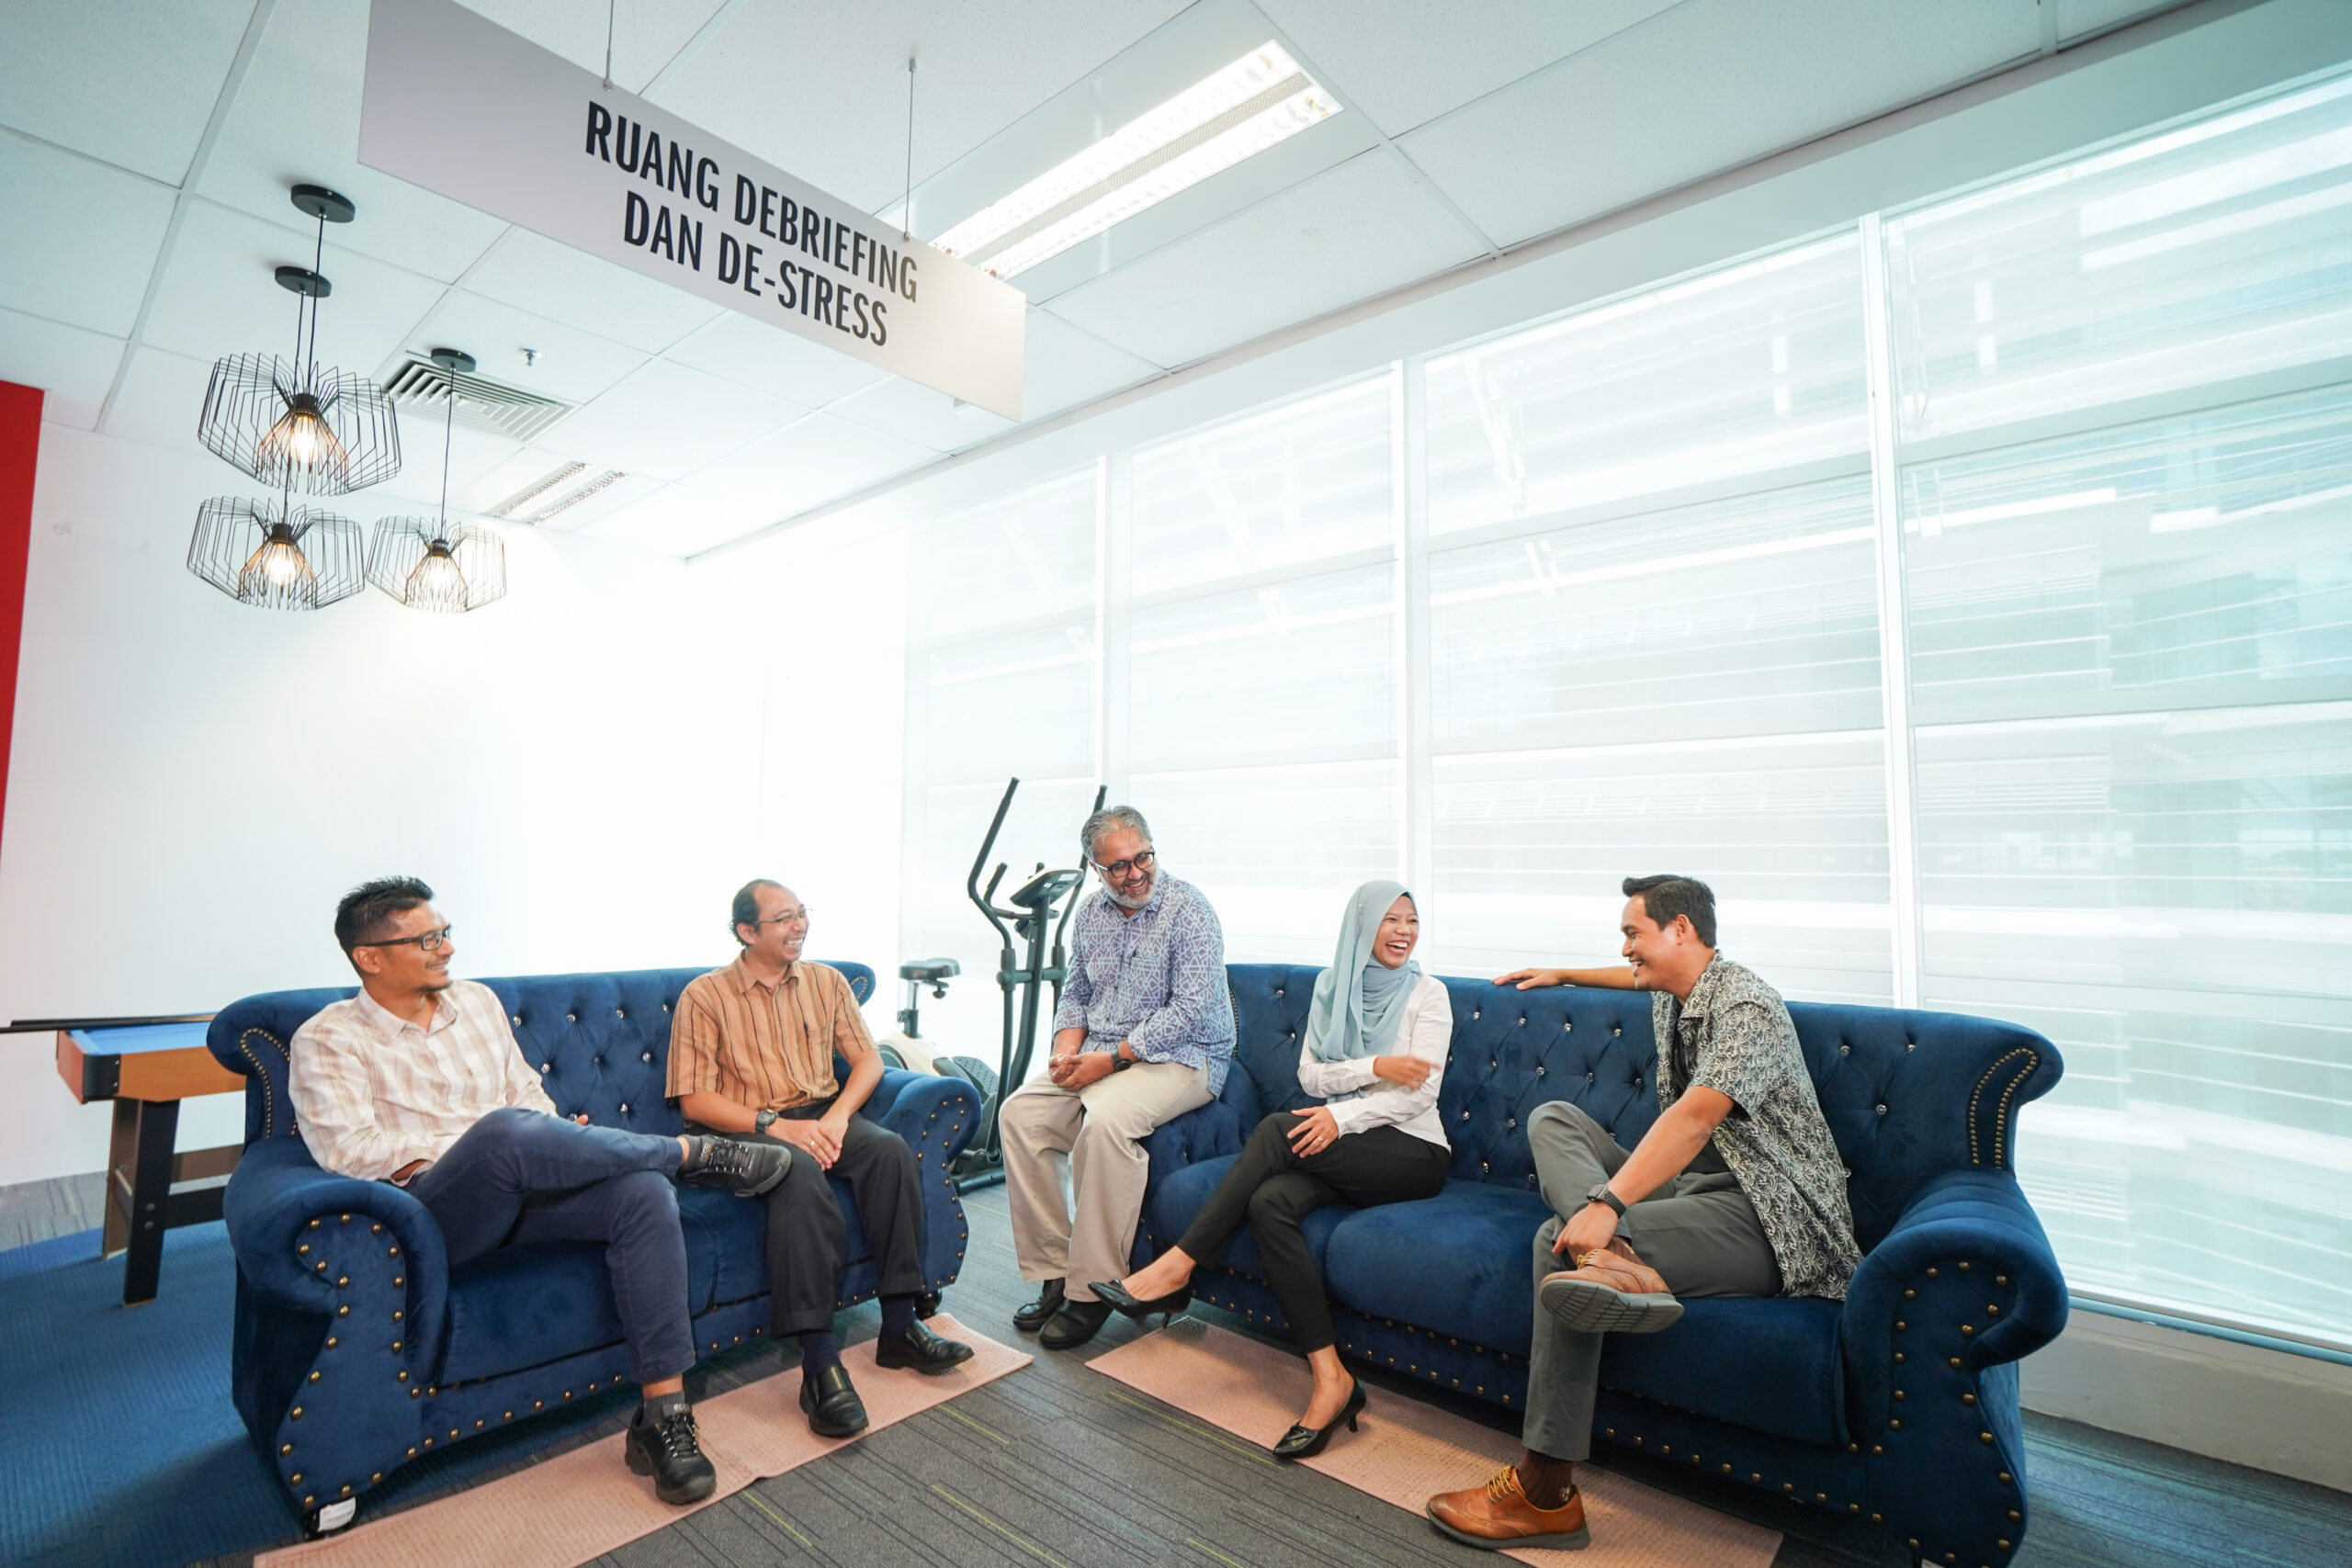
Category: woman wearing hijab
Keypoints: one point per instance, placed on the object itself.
(1376, 1036)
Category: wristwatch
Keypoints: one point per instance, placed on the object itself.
(1120, 1063)
(762, 1122)
(1602, 1194)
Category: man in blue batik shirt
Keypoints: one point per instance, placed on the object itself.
(1144, 1033)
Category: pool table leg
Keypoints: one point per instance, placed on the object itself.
(144, 1190)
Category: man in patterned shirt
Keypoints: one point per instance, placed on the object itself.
(1144, 1033)
(417, 1081)
(1736, 1190)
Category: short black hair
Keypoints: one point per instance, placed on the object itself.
(1666, 897)
(747, 906)
(366, 908)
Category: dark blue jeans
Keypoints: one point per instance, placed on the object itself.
(519, 1177)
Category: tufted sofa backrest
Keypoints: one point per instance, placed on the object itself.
(601, 1042)
(1906, 1093)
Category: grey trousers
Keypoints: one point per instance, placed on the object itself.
(1698, 1231)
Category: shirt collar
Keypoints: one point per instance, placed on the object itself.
(739, 975)
(386, 1024)
(1702, 990)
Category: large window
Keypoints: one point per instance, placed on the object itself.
(1966, 594)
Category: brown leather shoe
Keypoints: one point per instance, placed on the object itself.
(1609, 1291)
(1498, 1517)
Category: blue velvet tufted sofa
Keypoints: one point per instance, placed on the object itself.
(1898, 1406)
(357, 1349)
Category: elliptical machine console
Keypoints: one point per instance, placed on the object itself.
(1045, 900)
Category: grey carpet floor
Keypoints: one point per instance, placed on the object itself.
(1058, 1466)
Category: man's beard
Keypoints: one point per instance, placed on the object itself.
(1135, 902)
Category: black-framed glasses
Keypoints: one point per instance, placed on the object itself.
(426, 941)
(801, 915)
(1117, 870)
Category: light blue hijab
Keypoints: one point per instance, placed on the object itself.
(1366, 1025)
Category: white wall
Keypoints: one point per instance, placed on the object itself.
(584, 771)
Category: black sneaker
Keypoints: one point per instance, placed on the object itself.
(919, 1348)
(669, 1451)
(746, 1169)
(830, 1402)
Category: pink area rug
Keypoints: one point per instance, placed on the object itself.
(579, 1506)
(1405, 1450)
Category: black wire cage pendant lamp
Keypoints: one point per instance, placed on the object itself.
(276, 556)
(430, 563)
(295, 424)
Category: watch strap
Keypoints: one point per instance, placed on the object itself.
(1602, 1194)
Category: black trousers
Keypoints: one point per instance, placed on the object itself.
(1274, 1189)
(807, 1242)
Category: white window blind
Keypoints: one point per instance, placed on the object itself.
(1637, 600)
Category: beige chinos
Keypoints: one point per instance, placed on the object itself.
(1099, 1131)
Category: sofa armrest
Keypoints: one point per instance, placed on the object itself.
(1202, 1132)
(892, 1084)
(278, 1202)
(1966, 1274)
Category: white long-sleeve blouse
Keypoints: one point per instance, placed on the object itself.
(1360, 1101)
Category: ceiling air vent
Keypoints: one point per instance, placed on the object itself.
(483, 404)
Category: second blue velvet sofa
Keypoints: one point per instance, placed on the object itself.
(356, 1347)
(1898, 1404)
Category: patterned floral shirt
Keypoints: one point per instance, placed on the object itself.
(1733, 1036)
(1155, 979)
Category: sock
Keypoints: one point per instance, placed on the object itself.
(819, 1350)
(659, 1407)
(1546, 1481)
(898, 1317)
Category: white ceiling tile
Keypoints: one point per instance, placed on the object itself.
(473, 453)
(911, 412)
(1708, 86)
(769, 359)
(2077, 17)
(551, 279)
(570, 364)
(74, 367)
(667, 421)
(218, 295)
(1366, 227)
(678, 520)
(295, 120)
(645, 33)
(819, 89)
(1406, 61)
(162, 394)
(80, 240)
(1066, 366)
(132, 82)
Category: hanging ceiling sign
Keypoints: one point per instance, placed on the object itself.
(461, 107)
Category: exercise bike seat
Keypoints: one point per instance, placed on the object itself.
(929, 970)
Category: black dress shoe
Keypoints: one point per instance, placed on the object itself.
(920, 1348)
(1168, 1306)
(831, 1401)
(1077, 1323)
(1038, 1313)
(746, 1169)
(669, 1451)
(1305, 1442)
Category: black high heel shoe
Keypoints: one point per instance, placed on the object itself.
(1168, 1306)
(1305, 1442)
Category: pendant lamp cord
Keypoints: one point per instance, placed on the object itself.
(907, 204)
(610, 6)
(318, 259)
(449, 432)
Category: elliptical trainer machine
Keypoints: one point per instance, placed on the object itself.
(1033, 907)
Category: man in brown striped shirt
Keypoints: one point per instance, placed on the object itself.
(751, 1050)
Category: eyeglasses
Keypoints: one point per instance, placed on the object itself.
(426, 941)
(1118, 869)
(787, 918)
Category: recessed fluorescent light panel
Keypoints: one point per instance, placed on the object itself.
(1260, 100)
